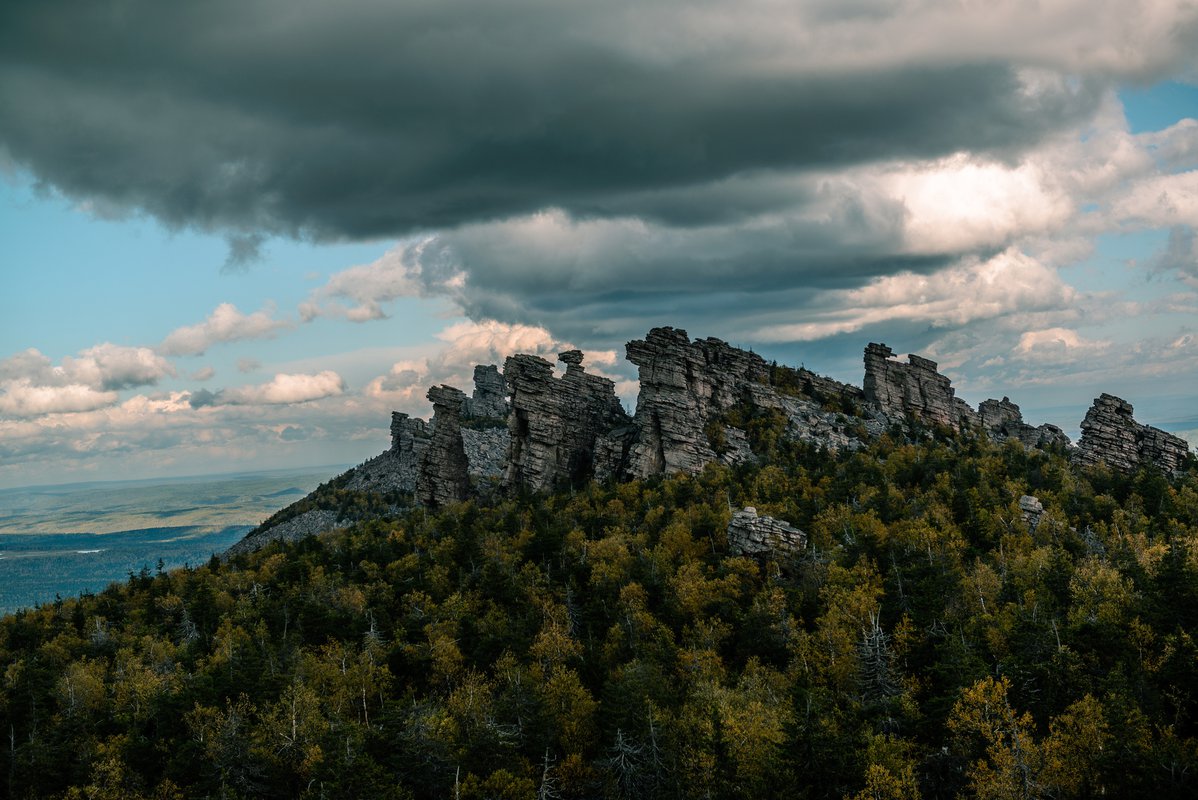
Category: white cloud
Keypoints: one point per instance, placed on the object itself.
(225, 324)
(961, 204)
(953, 297)
(20, 398)
(104, 367)
(31, 385)
(359, 293)
(1058, 344)
(284, 389)
(203, 374)
(109, 366)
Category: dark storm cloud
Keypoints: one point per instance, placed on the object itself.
(366, 119)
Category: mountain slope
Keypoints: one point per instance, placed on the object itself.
(932, 640)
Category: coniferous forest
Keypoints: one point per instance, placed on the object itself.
(602, 642)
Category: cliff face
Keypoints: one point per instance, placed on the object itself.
(555, 422)
(913, 388)
(444, 474)
(527, 428)
(685, 386)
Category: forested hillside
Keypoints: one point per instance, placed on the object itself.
(604, 643)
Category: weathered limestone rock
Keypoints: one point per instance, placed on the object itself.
(395, 469)
(914, 388)
(684, 386)
(555, 422)
(490, 394)
(307, 524)
(808, 421)
(486, 451)
(751, 535)
(1110, 435)
(611, 452)
(1003, 420)
(444, 469)
(1032, 510)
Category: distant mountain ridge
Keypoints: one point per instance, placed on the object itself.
(700, 401)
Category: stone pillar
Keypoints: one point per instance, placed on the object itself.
(444, 470)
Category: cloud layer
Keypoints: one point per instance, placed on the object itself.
(798, 175)
(593, 108)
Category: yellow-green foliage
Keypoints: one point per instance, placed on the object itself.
(605, 643)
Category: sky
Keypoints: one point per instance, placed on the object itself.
(236, 235)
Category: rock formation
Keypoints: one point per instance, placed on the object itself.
(753, 535)
(560, 431)
(443, 476)
(1003, 420)
(555, 422)
(490, 394)
(685, 386)
(1031, 509)
(1111, 436)
(913, 389)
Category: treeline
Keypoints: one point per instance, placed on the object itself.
(604, 643)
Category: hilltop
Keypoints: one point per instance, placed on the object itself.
(699, 402)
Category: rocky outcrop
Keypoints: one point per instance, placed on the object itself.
(299, 527)
(753, 535)
(685, 386)
(1111, 436)
(1003, 421)
(443, 475)
(556, 423)
(693, 394)
(489, 400)
(1031, 509)
(913, 388)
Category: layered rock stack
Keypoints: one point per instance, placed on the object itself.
(753, 535)
(555, 422)
(409, 439)
(490, 394)
(1111, 436)
(1003, 420)
(913, 389)
(685, 386)
(444, 476)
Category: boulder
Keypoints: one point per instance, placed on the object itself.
(753, 535)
